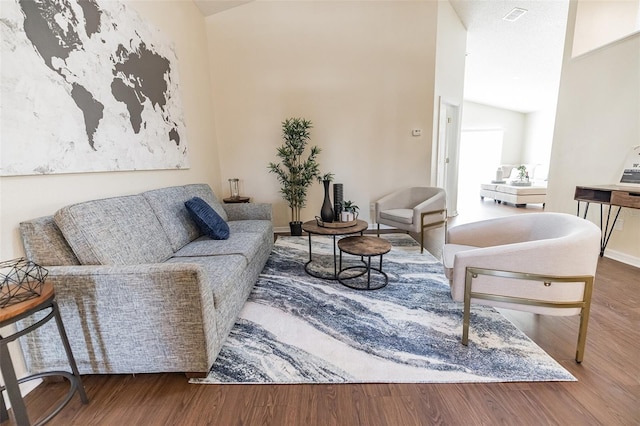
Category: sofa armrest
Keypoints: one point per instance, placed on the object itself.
(130, 319)
(248, 211)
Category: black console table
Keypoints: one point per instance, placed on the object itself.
(611, 195)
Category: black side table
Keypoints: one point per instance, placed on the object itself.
(12, 314)
(233, 200)
(363, 246)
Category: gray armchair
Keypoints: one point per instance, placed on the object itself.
(413, 209)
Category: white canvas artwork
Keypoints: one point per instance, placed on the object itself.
(86, 86)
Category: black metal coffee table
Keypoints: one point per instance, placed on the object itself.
(311, 227)
(364, 247)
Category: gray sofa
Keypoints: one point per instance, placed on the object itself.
(140, 288)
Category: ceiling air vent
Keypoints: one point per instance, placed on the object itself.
(514, 14)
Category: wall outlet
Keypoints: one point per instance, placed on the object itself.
(416, 132)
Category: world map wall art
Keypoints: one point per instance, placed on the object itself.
(86, 86)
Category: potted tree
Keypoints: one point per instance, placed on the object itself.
(296, 172)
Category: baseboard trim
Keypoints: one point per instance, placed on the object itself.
(623, 257)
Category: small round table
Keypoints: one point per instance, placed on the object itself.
(312, 227)
(14, 313)
(363, 246)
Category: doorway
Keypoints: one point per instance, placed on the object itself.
(446, 175)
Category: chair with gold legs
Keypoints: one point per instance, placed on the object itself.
(542, 263)
(414, 209)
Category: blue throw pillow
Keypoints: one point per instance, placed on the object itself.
(209, 222)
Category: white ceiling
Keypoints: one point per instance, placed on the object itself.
(511, 65)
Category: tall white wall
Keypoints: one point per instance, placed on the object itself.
(362, 72)
(597, 122)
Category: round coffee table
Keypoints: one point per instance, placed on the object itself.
(364, 247)
(312, 227)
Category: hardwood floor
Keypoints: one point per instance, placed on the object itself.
(607, 391)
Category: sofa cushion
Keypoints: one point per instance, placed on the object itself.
(245, 244)
(252, 226)
(204, 191)
(114, 231)
(44, 243)
(168, 205)
(209, 222)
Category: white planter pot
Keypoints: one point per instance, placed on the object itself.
(346, 216)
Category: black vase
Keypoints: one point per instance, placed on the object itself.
(327, 211)
(337, 201)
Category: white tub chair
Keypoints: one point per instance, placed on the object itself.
(543, 263)
(413, 209)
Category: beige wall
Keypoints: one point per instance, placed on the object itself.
(27, 197)
(597, 123)
(362, 72)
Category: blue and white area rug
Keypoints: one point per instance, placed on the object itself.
(298, 329)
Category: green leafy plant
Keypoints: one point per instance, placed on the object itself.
(522, 172)
(350, 206)
(296, 172)
(325, 177)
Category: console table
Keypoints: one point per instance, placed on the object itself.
(611, 195)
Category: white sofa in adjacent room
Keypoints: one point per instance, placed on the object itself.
(520, 196)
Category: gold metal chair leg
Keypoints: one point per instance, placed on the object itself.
(467, 308)
(584, 321)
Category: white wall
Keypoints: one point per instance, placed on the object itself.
(362, 72)
(597, 122)
(483, 117)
